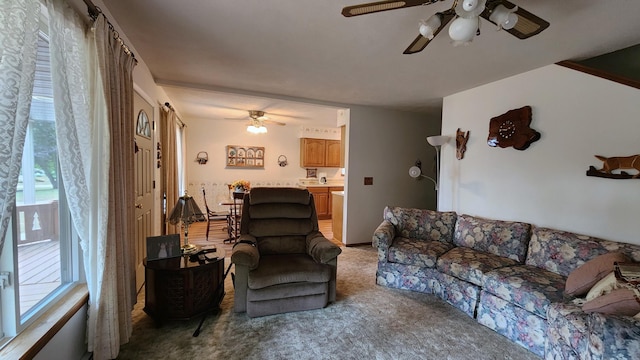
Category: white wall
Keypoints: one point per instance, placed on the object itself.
(212, 136)
(383, 144)
(578, 116)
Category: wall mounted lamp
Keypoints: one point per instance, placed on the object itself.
(416, 171)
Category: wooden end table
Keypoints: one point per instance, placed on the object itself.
(184, 287)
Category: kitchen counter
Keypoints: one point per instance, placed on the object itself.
(323, 185)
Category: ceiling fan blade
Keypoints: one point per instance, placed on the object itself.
(421, 42)
(528, 24)
(272, 122)
(240, 118)
(378, 6)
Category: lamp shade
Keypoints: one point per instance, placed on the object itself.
(462, 30)
(185, 210)
(414, 171)
(470, 8)
(437, 140)
(261, 129)
(503, 17)
(430, 26)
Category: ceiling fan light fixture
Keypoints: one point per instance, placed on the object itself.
(429, 27)
(261, 129)
(470, 8)
(505, 18)
(462, 30)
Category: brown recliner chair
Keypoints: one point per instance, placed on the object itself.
(283, 263)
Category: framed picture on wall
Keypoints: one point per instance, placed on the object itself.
(163, 247)
(312, 173)
(242, 156)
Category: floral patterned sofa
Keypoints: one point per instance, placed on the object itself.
(510, 276)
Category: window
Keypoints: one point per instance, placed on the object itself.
(41, 255)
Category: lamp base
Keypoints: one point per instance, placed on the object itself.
(189, 249)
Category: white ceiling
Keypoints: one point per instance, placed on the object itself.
(203, 51)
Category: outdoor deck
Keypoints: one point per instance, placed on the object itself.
(38, 271)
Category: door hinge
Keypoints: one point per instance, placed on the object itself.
(5, 279)
(154, 184)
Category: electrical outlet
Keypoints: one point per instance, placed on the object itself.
(368, 181)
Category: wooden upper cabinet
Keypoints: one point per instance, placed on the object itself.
(319, 153)
(332, 157)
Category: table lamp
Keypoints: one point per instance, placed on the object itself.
(187, 211)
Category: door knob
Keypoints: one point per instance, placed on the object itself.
(138, 206)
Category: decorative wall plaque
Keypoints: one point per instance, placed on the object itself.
(609, 164)
(245, 156)
(461, 143)
(512, 129)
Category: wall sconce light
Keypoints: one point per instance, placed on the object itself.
(416, 170)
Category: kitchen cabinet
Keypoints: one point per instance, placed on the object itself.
(319, 152)
(323, 200)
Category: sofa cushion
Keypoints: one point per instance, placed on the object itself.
(562, 252)
(458, 293)
(417, 252)
(503, 238)
(617, 302)
(588, 274)
(421, 223)
(567, 327)
(471, 265)
(513, 322)
(528, 287)
(285, 269)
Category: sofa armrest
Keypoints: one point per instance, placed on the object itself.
(245, 252)
(321, 249)
(383, 238)
(613, 337)
(383, 235)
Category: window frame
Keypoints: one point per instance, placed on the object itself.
(12, 323)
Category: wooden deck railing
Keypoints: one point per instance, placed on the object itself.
(38, 222)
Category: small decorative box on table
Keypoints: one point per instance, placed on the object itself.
(184, 287)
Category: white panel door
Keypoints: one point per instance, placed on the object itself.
(144, 165)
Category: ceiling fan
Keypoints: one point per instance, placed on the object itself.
(257, 119)
(465, 15)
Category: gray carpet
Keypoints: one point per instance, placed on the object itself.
(366, 322)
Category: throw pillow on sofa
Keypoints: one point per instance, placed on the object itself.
(618, 302)
(580, 280)
(603, 287)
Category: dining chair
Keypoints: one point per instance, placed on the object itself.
(212, 215)
(235, 214)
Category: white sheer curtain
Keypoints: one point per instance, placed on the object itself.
(85, 114)
(18, 45)
(84, 146)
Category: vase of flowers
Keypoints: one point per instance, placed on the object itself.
(241, 185)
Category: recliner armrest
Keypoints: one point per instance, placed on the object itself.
(245, 252)
(321, 249)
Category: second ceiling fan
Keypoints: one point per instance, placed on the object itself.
(465, 15)
(257, 119)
